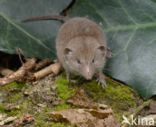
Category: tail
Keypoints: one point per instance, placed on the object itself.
(49, 17)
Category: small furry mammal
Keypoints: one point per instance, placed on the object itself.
(81, 47)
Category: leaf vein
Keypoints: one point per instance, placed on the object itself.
(25, 32)
(126, 12)
(129, 40)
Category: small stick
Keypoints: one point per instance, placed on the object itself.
(5, 71)
(53, 68)
(19, 74)
(42, 64)
(19, 52)
(137, 111)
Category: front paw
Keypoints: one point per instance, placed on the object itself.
(101, 79)
(102, 82)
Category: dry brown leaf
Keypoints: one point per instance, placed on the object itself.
(111, 122)
(152, 108)
(101, 114)
(24, 120)
(80, 99)
(86, 117)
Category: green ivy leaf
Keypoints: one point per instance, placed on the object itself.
(130, 26)
(35, 39)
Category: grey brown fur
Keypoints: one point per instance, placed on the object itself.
(81, 48)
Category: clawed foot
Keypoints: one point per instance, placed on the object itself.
(101, 80)
(102, 83)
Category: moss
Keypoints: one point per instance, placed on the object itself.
(60, 125)
(15, 97)
(2, 108)
(61, 107)
(41, 120)
(63, 89)
(14, 91)
(13, 86)
(50, 124)
(119, 97)
(24, 107)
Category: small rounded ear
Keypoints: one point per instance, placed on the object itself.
(67, 51)
(102, 48)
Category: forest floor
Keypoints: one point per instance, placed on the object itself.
(53, 101)
(33, 104)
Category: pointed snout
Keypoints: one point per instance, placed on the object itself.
(88, 72)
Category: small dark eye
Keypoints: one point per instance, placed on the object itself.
(78, 61)
(93, 61)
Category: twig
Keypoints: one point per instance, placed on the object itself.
(53, 68)
(5, 71)
(20, 52)
(42, 64)
(138, 110)
(141, 107)
(19, 74)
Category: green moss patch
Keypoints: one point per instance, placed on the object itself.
(2, 108)
(14, 96)
(42, 120)
(62, 106)
(119, 97)
(13, 86)
(63, 89)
